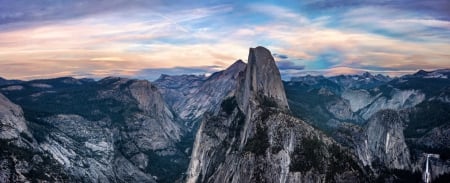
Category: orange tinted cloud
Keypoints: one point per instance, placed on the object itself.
(123, 43)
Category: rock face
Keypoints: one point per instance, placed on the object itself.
(262, 79)
(384, 142)
(192, 96)
(399, 99)
(177, 90)
(113, 130)
(21, 160)
(253, 138)
(12, 120)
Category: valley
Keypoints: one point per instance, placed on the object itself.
(242, 124)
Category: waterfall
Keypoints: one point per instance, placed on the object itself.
(427, 171)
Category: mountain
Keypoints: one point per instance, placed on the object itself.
(191, 96)
(409, 113)
(441, 73)
(254, 138)
(365, 80)
(112, 130)
(4, 81)
(242, 124)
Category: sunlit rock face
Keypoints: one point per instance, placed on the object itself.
(262, 79)
(12, 120)
(253, 138)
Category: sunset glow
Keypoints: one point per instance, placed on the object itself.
(143, 39)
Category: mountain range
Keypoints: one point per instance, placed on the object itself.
(242, 124)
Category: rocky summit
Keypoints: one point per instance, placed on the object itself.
(262, 79)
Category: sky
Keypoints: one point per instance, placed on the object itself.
(146, 38)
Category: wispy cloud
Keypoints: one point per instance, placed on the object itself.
(396, 23)
(87, 38)
(289, 65)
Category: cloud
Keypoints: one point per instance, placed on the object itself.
(110, 44)
(124, 37)
(107, 59)
(280, 56)
(435, 8)
(396, 23)
(277, 12)
(47, 10)
(353, 48)
(289, 65)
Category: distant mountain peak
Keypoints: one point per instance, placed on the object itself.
(434, 74)
(237, 66)
(4, 81)
(367, 74)
(238, 62)
(421, 73)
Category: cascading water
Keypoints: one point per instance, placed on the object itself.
(427, 173)
(427, 170)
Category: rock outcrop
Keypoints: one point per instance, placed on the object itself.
(262, 79)
(21, 159)
(12, 121)
(253, 138)
(384, 143)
